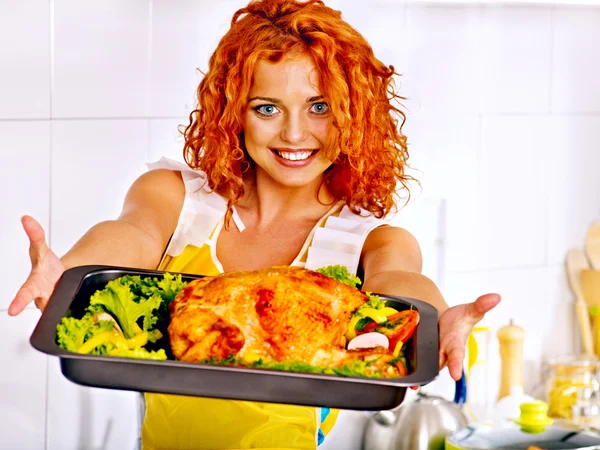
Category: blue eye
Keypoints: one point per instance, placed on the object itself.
(266, 110)
(320, 108)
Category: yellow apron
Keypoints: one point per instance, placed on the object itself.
(182, 423)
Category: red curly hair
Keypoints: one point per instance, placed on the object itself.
(369, 151)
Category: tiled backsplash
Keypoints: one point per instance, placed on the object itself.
(503, 124)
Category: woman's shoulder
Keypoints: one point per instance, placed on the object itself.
(159, 188)
(390, 235)
(193, 179)
(391, 245)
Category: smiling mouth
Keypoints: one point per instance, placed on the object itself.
(294, 156)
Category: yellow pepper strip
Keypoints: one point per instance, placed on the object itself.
(99, 339)
(116, 338)
(138, 340)
(376, 314)
(157, 334)
(351, 333)
(251, 357)
(389, 311)
(136, 329)
(398, 348)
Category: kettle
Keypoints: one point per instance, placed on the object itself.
(422, 424)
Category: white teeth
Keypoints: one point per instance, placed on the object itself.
(295, 156)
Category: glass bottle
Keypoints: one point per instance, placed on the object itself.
(571, 383)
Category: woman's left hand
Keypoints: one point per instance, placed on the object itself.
(455, 325)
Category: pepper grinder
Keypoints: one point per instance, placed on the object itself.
(510, 338)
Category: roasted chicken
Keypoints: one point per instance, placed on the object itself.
(280, 314)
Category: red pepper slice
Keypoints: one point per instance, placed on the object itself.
(398, 328)
(402, 372)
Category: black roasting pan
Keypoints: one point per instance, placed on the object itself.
(76, 286)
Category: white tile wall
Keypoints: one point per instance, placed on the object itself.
(442, 71)
(527, 293)
(574, 194)
(183, 39)
(93, 165)
(444, 153)
(503, 119)
(22, 385)
(515, 61)
(25, 68)
(95, 419)
(384, 30)
(513, 192)
(101, 58)
(166, 139)
(575, 85)
(25, 175)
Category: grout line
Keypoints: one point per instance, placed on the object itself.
(410, 115)
(82, 119)
(47, 403)
(50, 179)
(504, 269)
(479, 69)
(547, 162)
(553, 13)
(52, 6)
(148, 77)
(51, 75)
(479, 155)
(507, 114)
(149, 53)
(507, 3)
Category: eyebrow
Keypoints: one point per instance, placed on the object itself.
(276, 101)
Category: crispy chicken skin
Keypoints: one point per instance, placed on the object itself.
(278, 314)
(281, 313)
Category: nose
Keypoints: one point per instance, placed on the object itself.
(294, 129)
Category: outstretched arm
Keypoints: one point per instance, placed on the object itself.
(136, 238)
(392, 263)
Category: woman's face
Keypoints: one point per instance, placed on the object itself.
(287, 122)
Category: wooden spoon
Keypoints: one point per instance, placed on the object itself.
(592, 245)
(576, 262)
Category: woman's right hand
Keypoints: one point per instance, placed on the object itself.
(46, 269)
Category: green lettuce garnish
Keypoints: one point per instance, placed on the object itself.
(374, 302)
(119, 301)
(341, 274)
(355, 368)
(71, 333)
(139, 306)
(139, 353)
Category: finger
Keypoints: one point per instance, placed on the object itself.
(456, 356)
(28, 292)
(484, 304)
(40, 303)
(36, 235)
(443, 360)
(455, 367)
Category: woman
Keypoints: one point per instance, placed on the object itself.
(294, 156)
